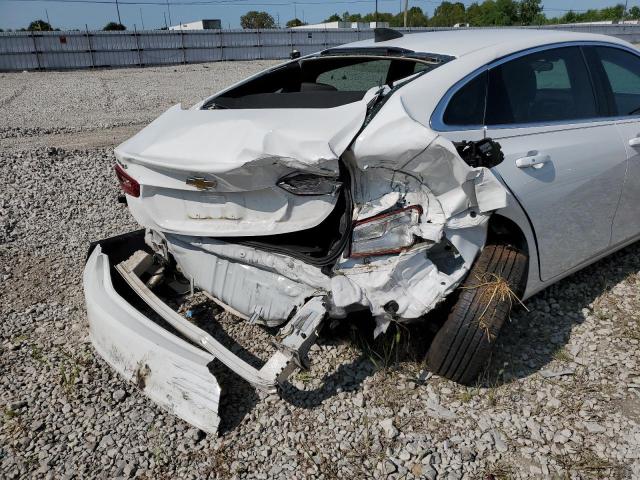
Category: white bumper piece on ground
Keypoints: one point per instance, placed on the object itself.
(170, 371)
(164, 365)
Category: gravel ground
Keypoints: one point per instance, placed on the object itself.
(560, 399)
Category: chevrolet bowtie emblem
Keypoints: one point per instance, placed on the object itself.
(201, 183)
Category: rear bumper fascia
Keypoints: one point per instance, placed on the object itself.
(166, 368)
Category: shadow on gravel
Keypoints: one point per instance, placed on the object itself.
(527, 344)
(532, 340)
(401, 343)
(237, 397)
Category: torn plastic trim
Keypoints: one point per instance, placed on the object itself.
(301, 330)
(394, 52)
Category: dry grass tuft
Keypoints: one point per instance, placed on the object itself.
(494, 288)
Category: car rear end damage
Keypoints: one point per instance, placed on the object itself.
(289, 217)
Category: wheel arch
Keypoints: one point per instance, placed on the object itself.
(511, 225)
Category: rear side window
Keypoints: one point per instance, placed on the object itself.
(548, 86)
(358, 77)
(466, 107)
(622, 69)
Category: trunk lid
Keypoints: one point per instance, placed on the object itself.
(215, 172)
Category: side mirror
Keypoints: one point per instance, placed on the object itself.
(294, 54)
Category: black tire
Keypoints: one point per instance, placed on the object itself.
(462, 346)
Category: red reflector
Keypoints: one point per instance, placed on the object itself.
(128, 184)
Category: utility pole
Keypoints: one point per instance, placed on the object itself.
(376, 13)
(141, 19)
(165, 21)
(295, 10)
(118, 9)
(169, 11)
(47, 14)
(406, 7)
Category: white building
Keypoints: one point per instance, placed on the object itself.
(214, 24)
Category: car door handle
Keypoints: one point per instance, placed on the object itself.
(535, 161)
(634, 142)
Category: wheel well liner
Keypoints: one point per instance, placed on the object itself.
(507, 231)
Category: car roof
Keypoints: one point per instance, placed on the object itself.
(464, 41)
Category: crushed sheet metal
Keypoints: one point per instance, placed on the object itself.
(395, 161)
(243, 153)
(227, 141)
(398, 161)
(257, 284)
(299, 334)
(167, 369)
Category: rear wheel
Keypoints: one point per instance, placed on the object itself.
(463, 344)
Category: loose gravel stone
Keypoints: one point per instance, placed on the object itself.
(66, 414)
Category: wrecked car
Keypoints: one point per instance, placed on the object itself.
(387, 175)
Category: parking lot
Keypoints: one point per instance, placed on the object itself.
(561, 397)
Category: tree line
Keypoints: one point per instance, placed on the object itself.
(490, 13)
(447, 14)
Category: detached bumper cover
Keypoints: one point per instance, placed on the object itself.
(167, 369)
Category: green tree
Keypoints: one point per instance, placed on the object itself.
(296, 22)
(613, 13)
(415, 18)
(529, 11)
(39, 26)
(333, 18)
(448, 14)
(254, 19)
(382, 17)
(634, 13)
(113, 26)
(506, 12)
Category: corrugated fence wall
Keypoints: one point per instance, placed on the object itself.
(78, 49)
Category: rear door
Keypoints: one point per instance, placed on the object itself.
(565, 167)
(619, 70)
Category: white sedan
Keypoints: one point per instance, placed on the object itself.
(384, 175)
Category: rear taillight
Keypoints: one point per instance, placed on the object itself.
(128, 184)
(385, 234)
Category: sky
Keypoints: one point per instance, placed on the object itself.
(19, 13)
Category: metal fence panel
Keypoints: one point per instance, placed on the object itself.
(78, 49)
(18, 61)
(71, 42)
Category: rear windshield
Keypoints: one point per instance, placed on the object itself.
(319, 82)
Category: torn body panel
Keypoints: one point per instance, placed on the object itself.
(388, 173)
(235, 201)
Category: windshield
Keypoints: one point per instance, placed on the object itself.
(319, 82)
